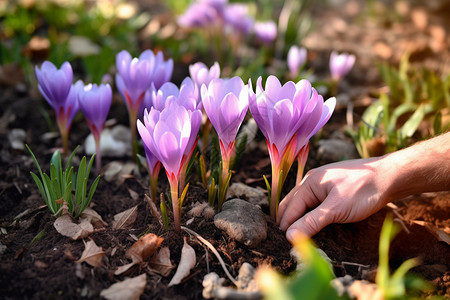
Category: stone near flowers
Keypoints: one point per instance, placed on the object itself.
(242, 221)
(114, 142)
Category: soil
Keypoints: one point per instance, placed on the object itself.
(45, 268)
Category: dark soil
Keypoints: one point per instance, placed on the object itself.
(45, 268)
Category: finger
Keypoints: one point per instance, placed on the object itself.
(290, 197)
(296, 205)
(310, 224)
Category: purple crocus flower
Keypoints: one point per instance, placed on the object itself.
(266, 32)
(296, 58)
(167, 134)
(282, 114)
(134, 77)
(236, 18)
(186, 95)
(340, 64)
(225, 102)
(200, 73)
(197, 15)
(315, 114)
(55, 85)
(95, 102)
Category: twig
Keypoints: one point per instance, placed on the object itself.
(216, 253)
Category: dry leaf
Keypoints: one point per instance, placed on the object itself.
(133, 194)
(92, 254)
(93, 217)
(187, 262)
(160, 262)
(125, 219)
(144, 247)
(124, 268)
(66, 226)
(130, 289)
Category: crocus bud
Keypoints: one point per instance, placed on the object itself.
(340, 64)
(296, 58)
(266, 32)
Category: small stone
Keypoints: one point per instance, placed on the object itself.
(333, 150)
(211, 282)
(114, 142)
(253, 195)
(246, 277)
(242, 221)
(17, 138)
(115, 171)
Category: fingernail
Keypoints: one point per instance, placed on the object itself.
(290, 234)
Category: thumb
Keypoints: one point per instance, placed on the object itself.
(310, 224)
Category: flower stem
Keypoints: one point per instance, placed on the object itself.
(64, 136)
(98, 154)
(175, 202)
(276, 192)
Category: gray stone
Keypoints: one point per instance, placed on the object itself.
(114, 142)
(333, 150)
(242, 221)
(254, 195)
(17, 138)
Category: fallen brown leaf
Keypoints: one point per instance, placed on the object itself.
(130, 289)
(122, 269)
(93, 217)
(133, 194)
(187, 262)
(143, 248)
(125, 219)
(92, 254)
(65, 225)
(160, 262)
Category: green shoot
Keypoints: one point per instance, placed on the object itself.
(65, 186)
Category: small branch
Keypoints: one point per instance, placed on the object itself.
(216, 253)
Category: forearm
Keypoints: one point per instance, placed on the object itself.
(423, 167)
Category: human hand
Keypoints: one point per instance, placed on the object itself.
(343, 192)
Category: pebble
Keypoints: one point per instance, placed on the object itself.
(17, 137)
(253, 195)
(114, 142)
(242, 221)
(333, 150)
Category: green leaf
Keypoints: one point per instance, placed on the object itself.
(92, 189)
(413, 123)
(69, 161)
(437, 123)
(52, 196)
(212, 192)
(388, 232)
(182, 197)
(269, 189)
(399, 111)
(91, 162)
(164, 213)
(80, 182)
(41, 188)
